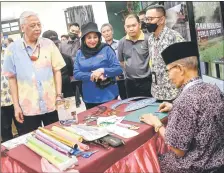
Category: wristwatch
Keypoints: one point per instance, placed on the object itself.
(158, 127)
(59, 95)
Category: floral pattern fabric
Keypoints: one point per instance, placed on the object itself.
(196, 126)
(161, 88)
(6, 99)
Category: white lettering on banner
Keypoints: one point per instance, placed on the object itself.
(200, 26)
(219, 31)
(208, 29)
(212, 32)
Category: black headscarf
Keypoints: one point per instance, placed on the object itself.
(89, 52)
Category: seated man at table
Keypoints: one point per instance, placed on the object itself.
(196, 118)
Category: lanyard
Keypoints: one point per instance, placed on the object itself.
(192, 84)
(33, 58)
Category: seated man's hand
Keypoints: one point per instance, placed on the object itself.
(165, 107)
(150, 119)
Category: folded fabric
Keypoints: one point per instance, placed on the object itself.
(114, 106)
(69, 136)
(121, 131)
(59, 138)
(53, 140)
(140, 104)
(52, 145)
(72, 135)
(89, 133)
(59, 160)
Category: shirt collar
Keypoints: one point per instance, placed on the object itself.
(191, 80)
(141, 36)
(37, 44)
(73, 41)
(159, 36)
(114, 41)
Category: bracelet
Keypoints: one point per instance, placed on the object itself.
(158, 127)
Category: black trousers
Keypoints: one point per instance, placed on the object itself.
(33, 122)
(122, 89)
(138, 87)
(7, 116)
(77, 88)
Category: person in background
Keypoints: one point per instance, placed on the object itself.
(64, 38)
(107, 33)
(7, 110)
(8, 41)
(133, 54)
(70, 48)
(161, 37)
(67, 70)
(33, 66)
(141, 16)
(195, 119)
(96, 65)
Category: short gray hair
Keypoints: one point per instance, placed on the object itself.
(189, 62)
(25, 15)
(107, 24)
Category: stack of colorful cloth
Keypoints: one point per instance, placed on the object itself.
(58, 146)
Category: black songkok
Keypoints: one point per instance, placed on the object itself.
(178, 51)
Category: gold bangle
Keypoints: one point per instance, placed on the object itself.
(158, 127)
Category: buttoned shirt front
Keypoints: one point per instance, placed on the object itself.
(35, 79)
(162, 89)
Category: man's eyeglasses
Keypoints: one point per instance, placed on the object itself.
(167, 70)
(147, 19)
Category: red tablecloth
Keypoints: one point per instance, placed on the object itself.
(138, 155)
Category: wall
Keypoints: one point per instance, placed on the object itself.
(51, 14)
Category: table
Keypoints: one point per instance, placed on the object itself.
(139, 154)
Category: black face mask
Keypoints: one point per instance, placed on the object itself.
(151, 27)
(73, 36)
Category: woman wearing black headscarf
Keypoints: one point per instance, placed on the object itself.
(96, 65)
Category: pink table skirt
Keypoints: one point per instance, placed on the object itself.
(143, 159)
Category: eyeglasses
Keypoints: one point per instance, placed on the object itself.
(147, 19)
(167, 70)
(33, 58)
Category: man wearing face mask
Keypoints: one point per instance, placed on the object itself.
(161, 38)
(141, 16)
(71, 47)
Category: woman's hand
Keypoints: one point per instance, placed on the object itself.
(97, 74)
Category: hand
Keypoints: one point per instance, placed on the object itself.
(58, 100)
(96, 74)
(165, 107)
(19, 114)
(102, 77)
(150, 119)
